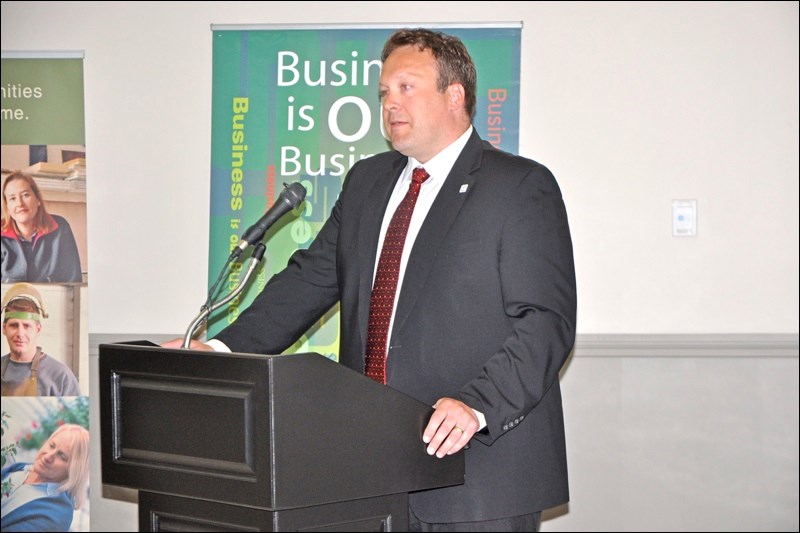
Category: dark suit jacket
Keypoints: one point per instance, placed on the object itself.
(486, 314)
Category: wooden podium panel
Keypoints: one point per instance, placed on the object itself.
(162, 512)
(293, 441)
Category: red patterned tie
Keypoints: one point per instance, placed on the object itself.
(381, 302)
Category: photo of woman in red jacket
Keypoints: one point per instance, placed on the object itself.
(36, 245)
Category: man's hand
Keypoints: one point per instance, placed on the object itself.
(451, 426)
(193, 345)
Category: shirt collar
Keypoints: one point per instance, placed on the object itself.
(48, 488)
(442, 163)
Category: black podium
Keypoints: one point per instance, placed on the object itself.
(243, 442)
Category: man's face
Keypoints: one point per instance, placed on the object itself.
(417, 117)
(22, 336)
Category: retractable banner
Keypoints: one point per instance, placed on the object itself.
(45, 342)
(301, 104)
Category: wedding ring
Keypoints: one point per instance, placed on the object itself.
(458, 428)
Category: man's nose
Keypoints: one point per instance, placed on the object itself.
(389, 102)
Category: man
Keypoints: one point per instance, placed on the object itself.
(483, 314)
(26, 369)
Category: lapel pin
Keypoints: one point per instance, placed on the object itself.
(463, 188)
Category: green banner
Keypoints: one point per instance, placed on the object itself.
(302, 105)
(42, 101)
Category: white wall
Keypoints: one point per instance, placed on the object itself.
(631, 105)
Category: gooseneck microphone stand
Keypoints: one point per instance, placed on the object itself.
(209, 306)
(290, 198)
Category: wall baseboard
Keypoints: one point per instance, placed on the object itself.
(687, 345)
(612, 345)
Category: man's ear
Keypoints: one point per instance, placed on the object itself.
(455, 95)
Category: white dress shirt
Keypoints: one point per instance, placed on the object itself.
(437, 168)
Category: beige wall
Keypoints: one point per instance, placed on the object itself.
(630, 104)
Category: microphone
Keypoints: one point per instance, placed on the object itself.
(291, 196)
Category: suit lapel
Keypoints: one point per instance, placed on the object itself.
(436, 226)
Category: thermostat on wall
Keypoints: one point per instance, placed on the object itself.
(684, 218)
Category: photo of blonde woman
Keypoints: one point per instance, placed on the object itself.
(45, 474)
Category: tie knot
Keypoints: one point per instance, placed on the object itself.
(419, 175)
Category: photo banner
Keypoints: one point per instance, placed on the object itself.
(301, 104)
(43, 156)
